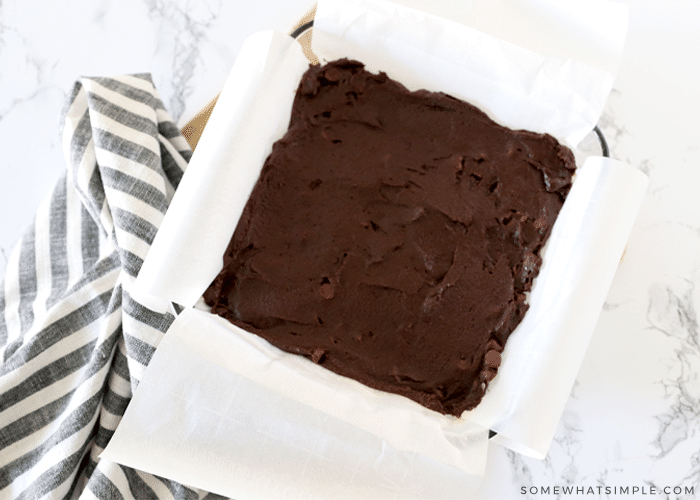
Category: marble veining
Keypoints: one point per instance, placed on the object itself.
(672, 312)
(180, 31)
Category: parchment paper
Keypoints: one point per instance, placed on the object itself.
(235, 416)
(561, 92)
(519, 88)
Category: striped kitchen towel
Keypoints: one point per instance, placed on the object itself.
(74, 342)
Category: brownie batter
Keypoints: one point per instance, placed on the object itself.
(392, 236)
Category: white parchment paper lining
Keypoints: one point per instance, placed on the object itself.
(210, 385)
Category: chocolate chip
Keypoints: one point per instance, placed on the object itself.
(492, 359)
(493, 345)
(327, 291)
(332, 74)
(317, 355)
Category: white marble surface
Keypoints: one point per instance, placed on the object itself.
(633, 418)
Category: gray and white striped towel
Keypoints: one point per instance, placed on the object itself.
(73, 341)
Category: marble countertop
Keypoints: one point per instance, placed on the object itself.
(633, 417)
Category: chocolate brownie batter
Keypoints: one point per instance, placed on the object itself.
(392, 236)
